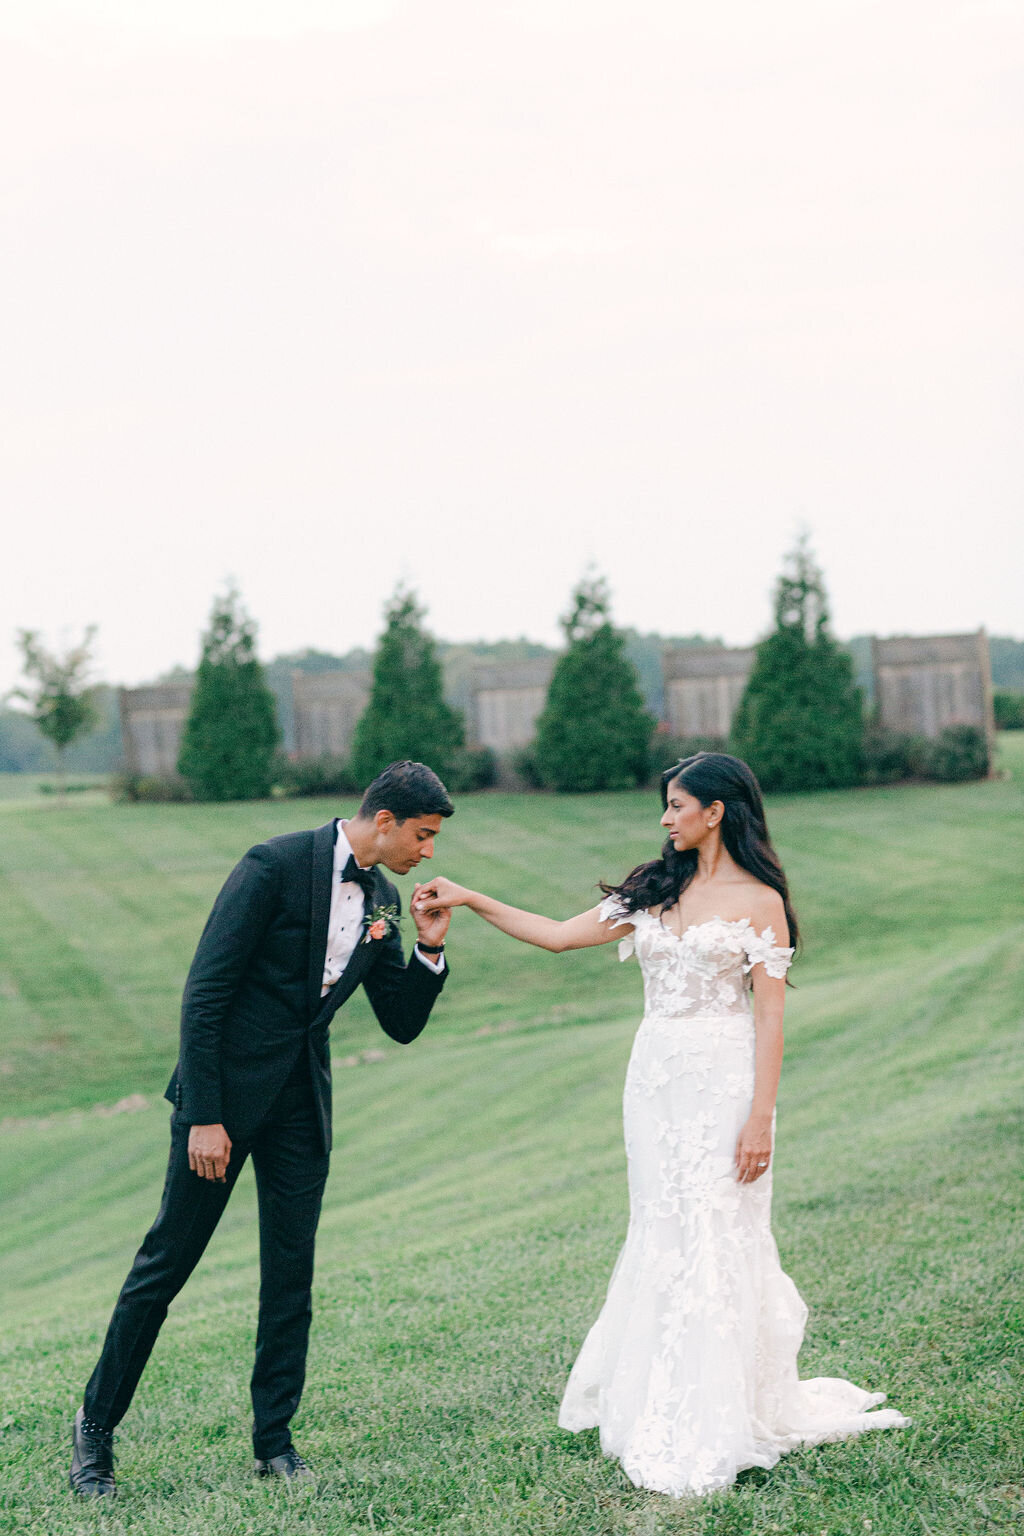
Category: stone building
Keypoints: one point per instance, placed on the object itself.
(507, 698)
(327, 707)
(152, 720)
(924, 683)
(703, 686)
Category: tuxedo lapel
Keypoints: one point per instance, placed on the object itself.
(343, 988)
(378, 899)
(320, 910)
(325, 1008)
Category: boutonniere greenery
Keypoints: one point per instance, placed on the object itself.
(381, 922)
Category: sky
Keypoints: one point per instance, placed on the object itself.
(325, 295)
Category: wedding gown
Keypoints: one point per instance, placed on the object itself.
(690, 1369)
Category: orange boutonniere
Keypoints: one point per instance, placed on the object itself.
(380, 922)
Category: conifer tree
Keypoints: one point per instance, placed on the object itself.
(230, 736)
(800, 721)
(594, 732)
(407, 716)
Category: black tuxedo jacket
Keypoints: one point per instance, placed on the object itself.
(252, 1003)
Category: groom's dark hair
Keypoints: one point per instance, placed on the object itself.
(406, 789)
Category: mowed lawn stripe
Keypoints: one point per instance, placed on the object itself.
(439, 1352)
(477, 1200)
(874, 872)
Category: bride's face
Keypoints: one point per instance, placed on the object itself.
(686, 820)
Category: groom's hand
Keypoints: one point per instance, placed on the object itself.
(209, 1151)
(431, 927)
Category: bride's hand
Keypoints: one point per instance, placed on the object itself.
(440, 895)
(753, 1150)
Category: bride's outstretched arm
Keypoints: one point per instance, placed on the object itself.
(545, 932)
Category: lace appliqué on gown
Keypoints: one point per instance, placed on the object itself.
(690, 1369)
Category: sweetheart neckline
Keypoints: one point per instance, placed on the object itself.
(727, 922)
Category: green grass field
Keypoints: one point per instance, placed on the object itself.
(477, 1196)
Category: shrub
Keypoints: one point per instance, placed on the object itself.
(407, 716)
(230, 737)
(800, 721)
(135, 788)
(959, 753)
(471, 768)
(594, 731)
(324, 775)
(524, 763)
(1009, 709)
(887, 756)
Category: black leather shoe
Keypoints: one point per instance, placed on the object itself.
(92, 1461)
(288, 1465)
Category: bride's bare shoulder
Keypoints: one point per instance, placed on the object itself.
(767, 909)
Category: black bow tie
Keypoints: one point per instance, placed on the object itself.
(364, 878)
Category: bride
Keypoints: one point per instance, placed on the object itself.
(690, 1370)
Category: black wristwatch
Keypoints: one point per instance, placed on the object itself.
(430, 949)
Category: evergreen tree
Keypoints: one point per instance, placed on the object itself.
(800, 721)
(594, 732)
(62, 705)
(230, 736)
(407, 716)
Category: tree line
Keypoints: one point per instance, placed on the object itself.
(802, 722)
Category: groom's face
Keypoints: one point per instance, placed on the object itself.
(404, 843)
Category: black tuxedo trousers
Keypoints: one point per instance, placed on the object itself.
(290, 1165)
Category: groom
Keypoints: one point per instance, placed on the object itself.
(301, 921)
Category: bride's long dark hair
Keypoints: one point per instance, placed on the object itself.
(710, 776)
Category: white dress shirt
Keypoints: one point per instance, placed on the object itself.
(345, 924)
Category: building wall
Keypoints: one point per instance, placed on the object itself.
(152, 720)
(507, 699)
(924, 683)
(327, 708)
(703, 686)
(507, 717)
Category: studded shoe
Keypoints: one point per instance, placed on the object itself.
(92, 1460)
(289, 1465)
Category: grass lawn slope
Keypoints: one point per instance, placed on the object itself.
(477, 1195)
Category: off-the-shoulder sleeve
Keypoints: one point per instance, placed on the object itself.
(613, 910)
(762, 950)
